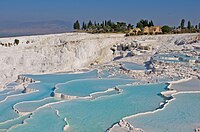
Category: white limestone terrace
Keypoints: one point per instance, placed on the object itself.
(69, 51)
(52, 53)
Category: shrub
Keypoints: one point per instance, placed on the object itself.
(16, 41)
(166, 29)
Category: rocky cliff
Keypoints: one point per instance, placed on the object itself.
(69, 51)
(53, 53)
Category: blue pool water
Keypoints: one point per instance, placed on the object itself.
(11, 123)
(133, 66)
(168, 57)
(5, 91)
(181, 115)
(9, 93)
(88, 86)
(45, 120)
(30, 106)
(44, 89)
(99, 114)
(62, 77)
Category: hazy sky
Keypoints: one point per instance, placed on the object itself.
(161, 11)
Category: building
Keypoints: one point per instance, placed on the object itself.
(152, 30)
(135, 31)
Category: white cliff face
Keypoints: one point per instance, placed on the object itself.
(62, 52)
(52, 53)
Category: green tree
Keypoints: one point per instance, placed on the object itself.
(89, 24)
(182, 24)
(106, 23)
(102, 24)
(151, 23)
(189, 25)
(109, 23)
(95, 24)
(145, 23)
(76, 25)
(16, 41)
(166, 29)
(130, 26)
(139, 25)
(118, 27)
(84, 26)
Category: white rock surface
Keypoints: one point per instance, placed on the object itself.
(53, 53)
(69, 51)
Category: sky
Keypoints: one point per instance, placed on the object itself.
(162, 12)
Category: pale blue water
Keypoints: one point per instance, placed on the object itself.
(190, 85)
(45, 120)
(104, 74)
(181, 57)
(124, 76)
(30, 106)
(133, 66)
(62, 77)
(17, 121)
(45, 88)
(95, 114)
(5, 91)
(108, 93)
(11, 85)
(99, 114)
(181, 115)
(86, 87)
(9, 93)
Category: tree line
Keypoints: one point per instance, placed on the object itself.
(189, 25)
(110, 26)
(104, 26)
(144, 23)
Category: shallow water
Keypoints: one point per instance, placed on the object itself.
(133, 66)
(17, 121)
(86, 87)
(30, 106)
(44, 89)
(191, 85)
(9, 93)
(93, 114)
(101, 113)
(180, 115)
(45, 120)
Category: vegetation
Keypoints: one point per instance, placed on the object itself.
(166, 29)
(182, 23)
(16, 41)
(189, 25)
(103, 27)
(77, 25)
(143, 23)
(108, 26)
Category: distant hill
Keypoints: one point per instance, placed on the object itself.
(10, 29)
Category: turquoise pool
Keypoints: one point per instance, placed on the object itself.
(181, 115)
(97, 113)
(101, 113)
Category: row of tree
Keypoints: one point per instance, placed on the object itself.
(110, 26)
(143, 23)
(104, 26)
(189, 25)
